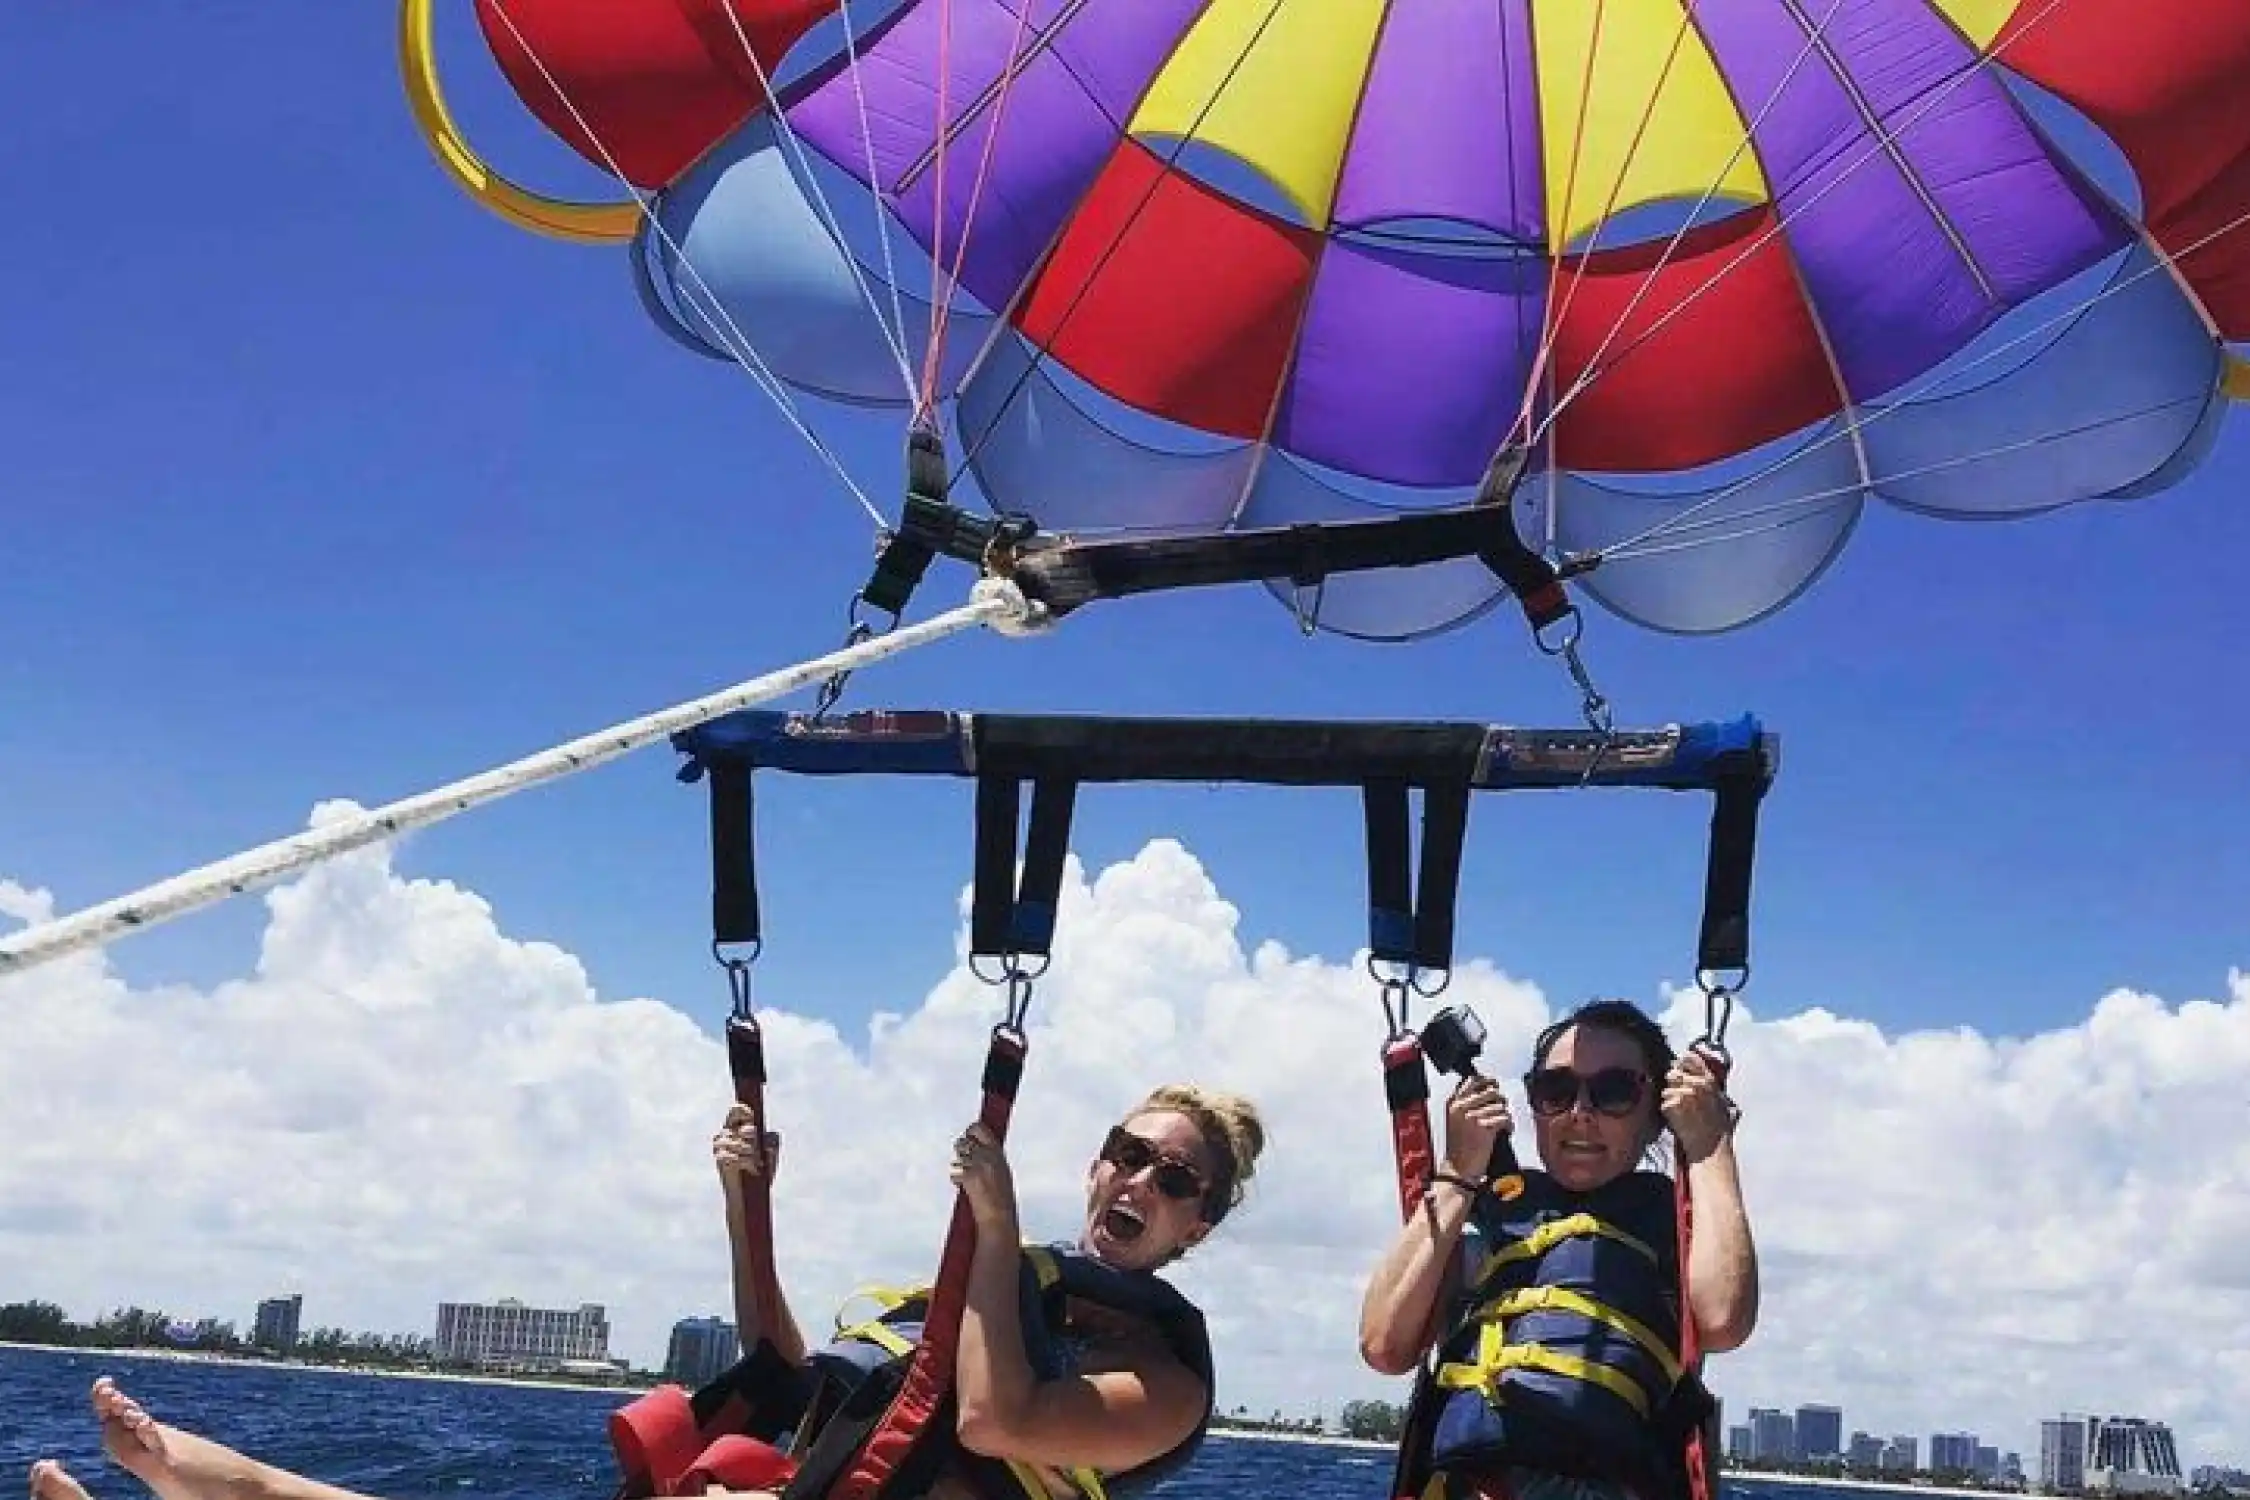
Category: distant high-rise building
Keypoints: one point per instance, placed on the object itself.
(276, 1326)
(2131, 1455)
(507, 1333)
(2011, 1466)
(1899, 1454)
(1985, 1463)
(1773, 1436)
(2062, 1455)
(1953, 1452)
(1742, 1443)
(702, 1349)
(1820, 1433)
(1865, 1455)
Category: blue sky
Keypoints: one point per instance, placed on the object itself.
(322, 482)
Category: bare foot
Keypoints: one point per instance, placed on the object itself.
(179, 1465)
(51, 1481)
(134, 1440)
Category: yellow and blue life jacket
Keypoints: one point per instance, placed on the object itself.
(1562, 1353)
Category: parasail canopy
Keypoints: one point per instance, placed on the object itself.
(1731, 268)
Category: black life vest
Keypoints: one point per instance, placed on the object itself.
(821, 1413)
(1563, 1353)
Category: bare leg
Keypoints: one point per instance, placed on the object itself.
(179, 1465)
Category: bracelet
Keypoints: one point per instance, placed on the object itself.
(1472, 1186)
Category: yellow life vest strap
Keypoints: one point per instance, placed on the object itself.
(890, 1297)
(1088, 1482)
(1496, 1356)
(1563, 1299)
(1553, 1233)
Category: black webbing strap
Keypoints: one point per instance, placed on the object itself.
(1065, 574)
(1006, 919)
(930, 526)
(1740, 791)
(735, 922)
(734, 857)
(1410, 918)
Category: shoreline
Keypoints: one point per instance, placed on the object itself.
(1823, 1481)
(205, 1357)
(1244, 1434)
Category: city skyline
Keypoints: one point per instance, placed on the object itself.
(2106, 1453)
(510, 1332)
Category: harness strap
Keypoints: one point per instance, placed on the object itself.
(734, 854)
(929, 1374)
(1724, 943)
(1406, 1085)
(735, 921)
(1005, 918)
(1401, 928)
(1698, 1453)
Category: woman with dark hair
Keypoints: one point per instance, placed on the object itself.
(1559, 1355)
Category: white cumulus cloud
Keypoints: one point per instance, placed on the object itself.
(403, 1104)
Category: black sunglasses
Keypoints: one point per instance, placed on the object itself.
(1129, 1153)
(1615, 1092)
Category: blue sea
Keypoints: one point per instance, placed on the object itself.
(406, 1439)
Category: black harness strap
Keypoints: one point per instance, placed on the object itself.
(1006, 918)
(1066, 574)
(734, 854)
(1725, 940)
(735, 922)
(1402, 929)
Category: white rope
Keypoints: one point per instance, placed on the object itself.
(995, 602)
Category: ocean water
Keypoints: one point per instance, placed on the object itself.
(403, 1439)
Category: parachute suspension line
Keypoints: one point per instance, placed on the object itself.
(1556, 312)
(926, 397)
(1147, 194)
(738, 344)
(1523, 423)
(942, 306)
(1885, 138)
(895, 337)
(1687, 515)
(994, 602)
(1679, 235)
(875, 194)
(1782, 513)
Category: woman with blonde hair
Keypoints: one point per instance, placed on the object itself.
(1079, 1371)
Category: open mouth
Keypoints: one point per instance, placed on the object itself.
(1123, 1223)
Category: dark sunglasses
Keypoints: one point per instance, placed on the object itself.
(1129, 1153)
(1616, 1092)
